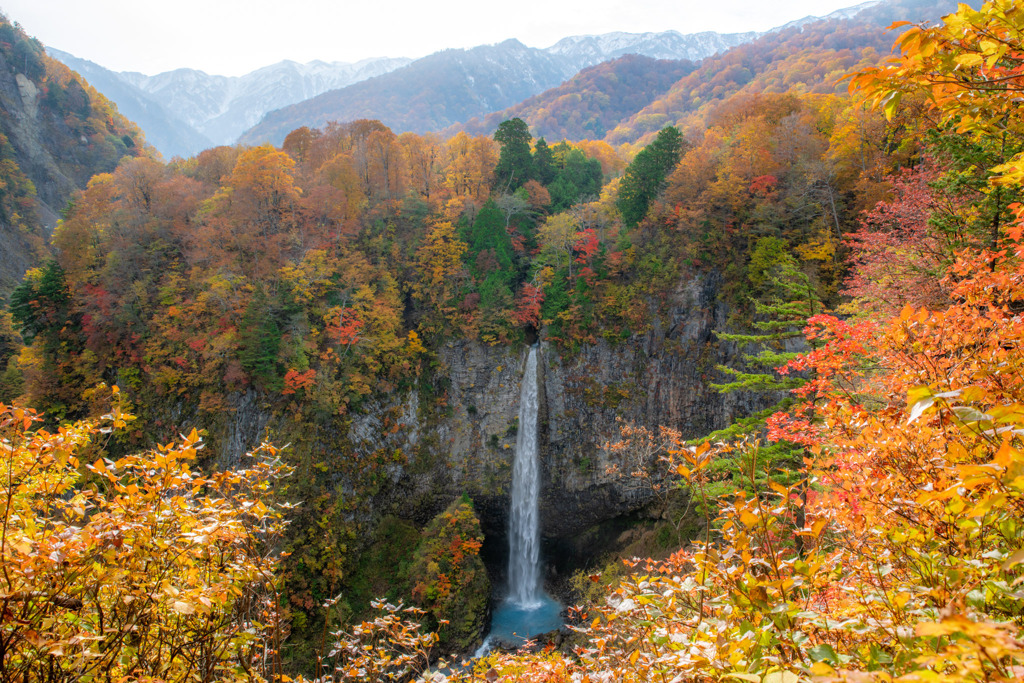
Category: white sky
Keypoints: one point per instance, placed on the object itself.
(232, 37)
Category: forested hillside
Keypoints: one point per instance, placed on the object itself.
(593, 101)
(56, 131)
(779, 362)
(807, 59)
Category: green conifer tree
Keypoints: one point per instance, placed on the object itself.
(515, 165)
(260, 339)
(785, 299)
(645, 175)
(544, 170)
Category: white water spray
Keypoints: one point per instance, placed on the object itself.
(524, 523)
(528, 611)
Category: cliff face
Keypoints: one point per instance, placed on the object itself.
(660, 378)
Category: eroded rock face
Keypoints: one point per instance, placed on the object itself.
(658, 378)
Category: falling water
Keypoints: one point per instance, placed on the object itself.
(527, 611)
(524, 527)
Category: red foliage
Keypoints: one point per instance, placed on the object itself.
(344, 328)
(586, 246)
(528, 305)
(295, 381)
(897, 260)
(763, 185)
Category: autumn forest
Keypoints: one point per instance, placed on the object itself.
(258, 406)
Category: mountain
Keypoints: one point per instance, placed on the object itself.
(593, 101)
(586, 51)
(56, 132)
(805, 56)
(454, 86)
(165, 131)
(222, 107)
(185, 111)
(430, 94)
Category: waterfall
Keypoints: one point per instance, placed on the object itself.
(524, 522)
(528, 611)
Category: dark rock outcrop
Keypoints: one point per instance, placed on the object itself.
(658, 378)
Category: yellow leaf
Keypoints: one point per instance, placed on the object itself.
(183, 607)
(1013, 560)
(968, 60)
(1004, 455)
(818, 525)
(781, 677)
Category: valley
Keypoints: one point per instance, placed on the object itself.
(644, 356)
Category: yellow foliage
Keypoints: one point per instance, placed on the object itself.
(134, 569)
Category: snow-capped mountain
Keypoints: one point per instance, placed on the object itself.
(429, 94)
(838, 15)
(163, 128)
(586, 51)
(221, 107)
(184, 110)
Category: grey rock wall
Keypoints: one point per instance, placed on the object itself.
(658, 378)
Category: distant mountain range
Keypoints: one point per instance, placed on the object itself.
(185, 110)
(454, 86)
(592, 102)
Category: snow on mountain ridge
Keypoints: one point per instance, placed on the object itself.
(221, 108)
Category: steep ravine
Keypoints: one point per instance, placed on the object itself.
(658, 378)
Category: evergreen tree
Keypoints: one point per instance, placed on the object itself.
(786, 299)
(260, 343)
(579, 177)
(40, 303)
(488, 233)
(646, 175)
(515, 165)
(544, 170)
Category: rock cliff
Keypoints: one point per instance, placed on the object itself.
(468, 444)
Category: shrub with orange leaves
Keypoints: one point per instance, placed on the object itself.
(134, 569)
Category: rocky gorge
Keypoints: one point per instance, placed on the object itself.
(463, 442)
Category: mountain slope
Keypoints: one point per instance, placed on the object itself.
(455, 86)
(806, 57)
(588, 50)
(429, 94)
(222, 107)
(56, 132)
(593, 101)
(186, 111)
(165, 131)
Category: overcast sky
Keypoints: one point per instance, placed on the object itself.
(232, 37)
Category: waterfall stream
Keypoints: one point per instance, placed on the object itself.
(527, 610)
(524, 525)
